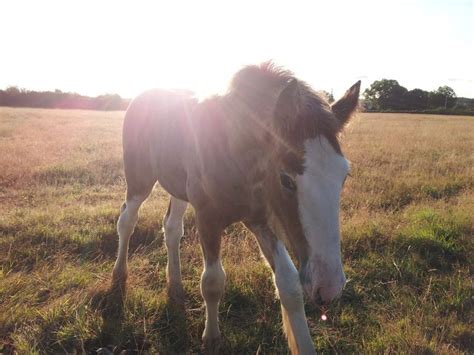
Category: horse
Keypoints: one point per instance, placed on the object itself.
(265, 153)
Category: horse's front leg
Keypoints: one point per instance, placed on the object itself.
(212, 281)
(290, 292)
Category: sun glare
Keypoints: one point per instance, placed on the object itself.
(126, 47)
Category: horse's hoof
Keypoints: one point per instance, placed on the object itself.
(176, 295)
(211, 346)
(119, 283)
(118, 290)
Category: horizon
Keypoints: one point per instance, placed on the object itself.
(131, 98)
(125, 48)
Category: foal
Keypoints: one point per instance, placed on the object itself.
(267, 154)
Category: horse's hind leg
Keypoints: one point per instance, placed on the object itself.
(125, 227)
(173, 228)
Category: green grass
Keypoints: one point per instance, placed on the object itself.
(407, 241)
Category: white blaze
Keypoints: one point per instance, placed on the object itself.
(319, 190)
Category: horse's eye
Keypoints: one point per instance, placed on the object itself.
(287, 182)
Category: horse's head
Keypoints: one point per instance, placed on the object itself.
(305, 189)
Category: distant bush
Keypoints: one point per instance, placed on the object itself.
(15, 97)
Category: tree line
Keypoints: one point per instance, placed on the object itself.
(15, 97)
(382, 95)
(389, 95)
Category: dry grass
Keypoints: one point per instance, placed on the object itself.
(407, 241)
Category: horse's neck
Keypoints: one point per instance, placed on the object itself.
(229, 149)
(248, 121)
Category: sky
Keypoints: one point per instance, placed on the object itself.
(99, 46)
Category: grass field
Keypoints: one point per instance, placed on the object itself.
(407, 231)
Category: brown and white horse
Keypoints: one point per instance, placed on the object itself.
(267, 154)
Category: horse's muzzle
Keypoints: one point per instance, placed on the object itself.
(320, 291)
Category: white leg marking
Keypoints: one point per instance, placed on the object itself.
(125, 226)
(212, 289)
(291, 296)
(173, 228)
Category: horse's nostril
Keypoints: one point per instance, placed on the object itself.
(316, 299)
(328, 294)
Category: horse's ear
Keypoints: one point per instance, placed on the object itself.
(287, 105)
(345, 106)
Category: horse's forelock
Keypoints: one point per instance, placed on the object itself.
(305, 116)
(316, 118)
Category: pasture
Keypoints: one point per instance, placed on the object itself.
(407, 236)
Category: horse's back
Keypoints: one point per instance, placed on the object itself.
(155, 132)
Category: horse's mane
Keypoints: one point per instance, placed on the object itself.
(257, 85)
(259, 78)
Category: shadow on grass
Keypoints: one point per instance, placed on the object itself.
(394, 197)
(430, 241)
(25, 251)
(168, 333)
(110, 303)
(251, 320)
(174, 328)
(108, 243)
(173, 334)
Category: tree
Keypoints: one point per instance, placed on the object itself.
(443, 97)
(12, 96)
(328, 96)
(385, 94)
(416, 99)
